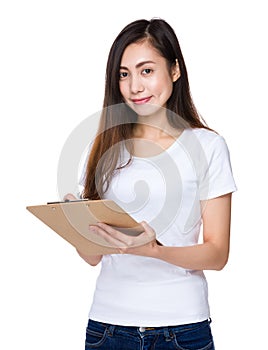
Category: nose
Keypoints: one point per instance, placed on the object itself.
(136, 84)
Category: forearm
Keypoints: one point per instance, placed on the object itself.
(204, 256)
(92, 260)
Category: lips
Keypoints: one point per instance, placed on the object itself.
(140, 101)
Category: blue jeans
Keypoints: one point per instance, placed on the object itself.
(194, 336)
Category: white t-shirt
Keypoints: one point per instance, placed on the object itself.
(164, 190)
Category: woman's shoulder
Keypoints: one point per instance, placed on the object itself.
(206, 136)
(203, 140)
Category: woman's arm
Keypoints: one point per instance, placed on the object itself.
(212, 254)
(92, 260)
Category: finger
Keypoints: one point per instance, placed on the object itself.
(69, 197)
(129, 241)
(148, 229)
(113, 242)
(119, 236)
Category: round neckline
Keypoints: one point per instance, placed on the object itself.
(167, 150)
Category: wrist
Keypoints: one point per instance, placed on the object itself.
(155, 249)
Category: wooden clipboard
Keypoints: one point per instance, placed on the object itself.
(71, 221)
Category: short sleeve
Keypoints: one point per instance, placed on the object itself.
(216, 178)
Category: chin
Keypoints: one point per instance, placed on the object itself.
(146, 110)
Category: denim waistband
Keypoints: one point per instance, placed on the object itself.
(166, 330)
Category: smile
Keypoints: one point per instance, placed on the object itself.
(141, 101)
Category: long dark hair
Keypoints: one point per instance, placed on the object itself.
(117, 119)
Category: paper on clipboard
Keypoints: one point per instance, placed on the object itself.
(71, 221)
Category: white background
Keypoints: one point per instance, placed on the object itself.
(53, 57)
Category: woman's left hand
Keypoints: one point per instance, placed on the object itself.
(142, 244)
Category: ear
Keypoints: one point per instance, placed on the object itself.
(176, 72)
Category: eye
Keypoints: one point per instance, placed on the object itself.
(147, 71)
(123, 75)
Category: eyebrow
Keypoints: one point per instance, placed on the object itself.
(139, 64)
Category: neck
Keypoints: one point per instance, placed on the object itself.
(153, 126)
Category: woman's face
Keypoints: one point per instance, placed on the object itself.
(145, 81)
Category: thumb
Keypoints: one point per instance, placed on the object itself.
(148, 229)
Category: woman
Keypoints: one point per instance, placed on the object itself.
(155, 156)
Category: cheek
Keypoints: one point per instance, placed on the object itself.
(123, 89)
(169, 89)
(163, 86)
